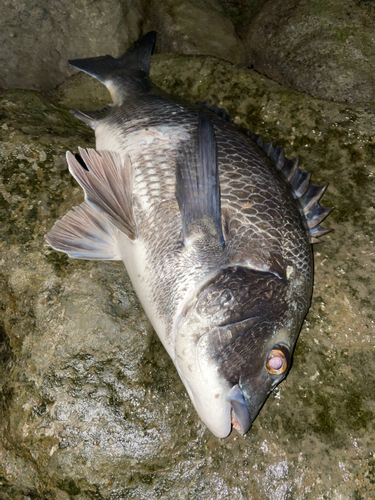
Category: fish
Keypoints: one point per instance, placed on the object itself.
(215, 228)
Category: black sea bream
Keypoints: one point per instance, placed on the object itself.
(214, 228)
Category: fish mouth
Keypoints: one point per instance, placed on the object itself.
(240, 415)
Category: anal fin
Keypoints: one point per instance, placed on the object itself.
(84, 233)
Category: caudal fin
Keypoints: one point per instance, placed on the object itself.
(136, 60)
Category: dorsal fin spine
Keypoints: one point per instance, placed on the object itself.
(301, 182)
(312, 196)
(290, 168)
(316, 215)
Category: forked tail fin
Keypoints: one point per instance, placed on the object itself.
(111, 71)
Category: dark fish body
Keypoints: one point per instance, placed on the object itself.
(214, 228)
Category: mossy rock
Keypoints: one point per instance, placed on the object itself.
(92, 407)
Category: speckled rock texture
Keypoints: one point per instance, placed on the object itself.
(91, 405)
(323, 47)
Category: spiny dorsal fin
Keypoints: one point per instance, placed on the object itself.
(107, 182)
(84, 233)
(197, 182)
(307, 194)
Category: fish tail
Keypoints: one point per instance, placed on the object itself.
(113, 72)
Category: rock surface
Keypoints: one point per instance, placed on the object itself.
(92, 407)
(195, 27)
(38, 38)
(325, 48)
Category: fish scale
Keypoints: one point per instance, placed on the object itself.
(214, 228)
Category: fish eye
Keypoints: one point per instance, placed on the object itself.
(277, 362)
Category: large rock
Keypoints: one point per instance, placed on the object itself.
(38, 38)
(325, 48)
(241, 13)
(92, 407)
(195, 27)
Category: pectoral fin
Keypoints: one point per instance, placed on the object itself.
(197, 183)
(307, 194)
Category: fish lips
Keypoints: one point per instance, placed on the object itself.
(246, 402)
(240, 414)
(244, 409)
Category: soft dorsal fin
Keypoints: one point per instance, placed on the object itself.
(197, 182)
(307, 194)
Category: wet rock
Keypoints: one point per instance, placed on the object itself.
(38, 38)
(241, 13)
(324, 48)
(92, 407)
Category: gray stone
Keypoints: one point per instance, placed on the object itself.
(92, 407)
(38, 38)
(194, 27)
(324, 48)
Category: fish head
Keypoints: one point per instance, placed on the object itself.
(234, 344)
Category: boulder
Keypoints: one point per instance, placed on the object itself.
(325, 48)
(195, 28)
